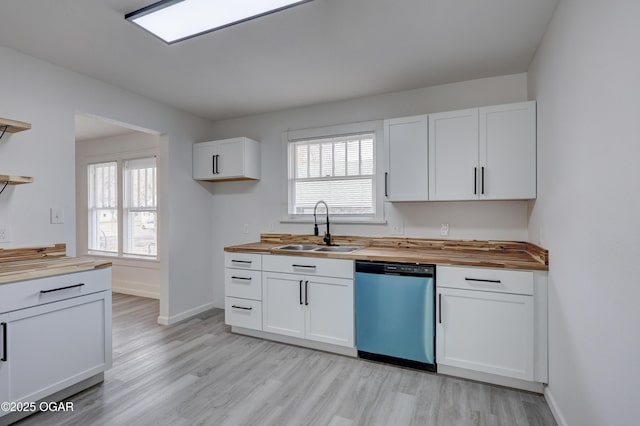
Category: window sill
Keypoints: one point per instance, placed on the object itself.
(139, 262)
(349, 221)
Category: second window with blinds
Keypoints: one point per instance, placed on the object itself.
(123, 208)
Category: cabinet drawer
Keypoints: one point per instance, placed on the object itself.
(497, 280)
(243, 283)
(23, 294)
(243, 313)
(243, 260)
(339, 268)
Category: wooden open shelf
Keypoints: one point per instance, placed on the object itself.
(13, 126)
(15, 180)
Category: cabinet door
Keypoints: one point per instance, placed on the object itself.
(53, 346)
(453, 155)
(283, 304)
(407, 174)
(329, 316)
(204, 160)
(508, 151)
(4, 366)
(230, 162)
(485, 331)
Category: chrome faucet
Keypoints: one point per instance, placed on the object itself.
(327, 235)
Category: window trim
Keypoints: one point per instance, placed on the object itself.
(120, 157)
(339, 130)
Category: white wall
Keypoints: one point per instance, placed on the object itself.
(258, 204)
(130, 276)
(48, 97)
(585, 77)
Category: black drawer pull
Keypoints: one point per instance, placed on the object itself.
(304, 266)
(241, 307)
(4, 342)
(241, 278)
(61, 288)
(241, 261)
(483, 281)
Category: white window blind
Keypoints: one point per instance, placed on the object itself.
(339, 170)
(103, 207)
(140, 207)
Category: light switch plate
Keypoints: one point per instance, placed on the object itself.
(444, 230)
(57, 215)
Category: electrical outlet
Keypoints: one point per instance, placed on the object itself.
(271, 227)
(444, 230)
(57, 216)
(245, 228)
(5, 234)
(397, 228)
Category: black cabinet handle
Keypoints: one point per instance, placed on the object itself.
(304, 266)
(218, 164)
(213, 164)
(475, 181)
(241, 307)
(241, 261)
(439, 308)
(482, 280)
(306, 292)
(386, 186)
(4, 342)
(61, 288)
(241, 278)
(482, 179)
(300, 287)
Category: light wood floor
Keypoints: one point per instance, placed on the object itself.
(198, 373)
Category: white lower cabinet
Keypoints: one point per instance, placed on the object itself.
(283, 302)
(486, 331)
(52, 338)
(329, 316)
(243, 290)
(62, 342)
(309, 307)
(4, 366)
(485, 321)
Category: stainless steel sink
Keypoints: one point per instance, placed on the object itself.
(298, 247)
(339, 249)
(318, 248)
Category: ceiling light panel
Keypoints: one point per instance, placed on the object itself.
(177, 20)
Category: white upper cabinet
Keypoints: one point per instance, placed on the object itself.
(508, 151)
(486, 153)
(227, 159)
(406, 176)
(453, 155)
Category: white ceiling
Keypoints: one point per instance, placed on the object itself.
(321, 51)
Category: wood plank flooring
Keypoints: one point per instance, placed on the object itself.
(197, 373)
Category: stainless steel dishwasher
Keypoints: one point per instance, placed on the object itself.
(395, 313)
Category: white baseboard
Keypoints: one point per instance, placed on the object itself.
(491, 378)
(136, 289)
(555, 410)
(327, 347)
(164, 320)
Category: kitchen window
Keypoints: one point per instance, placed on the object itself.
(337, 168)
(125, 207)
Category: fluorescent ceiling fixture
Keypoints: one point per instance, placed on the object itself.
(177, 20)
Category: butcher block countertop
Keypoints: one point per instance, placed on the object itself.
(483, 253)
(28, 263)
